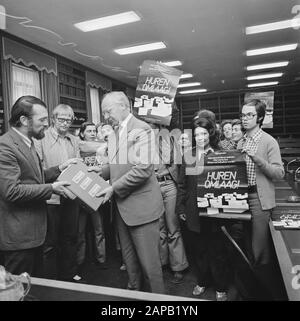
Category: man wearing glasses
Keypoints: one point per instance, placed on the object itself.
(264, 165)
(60, 248)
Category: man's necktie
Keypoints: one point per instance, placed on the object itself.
(35, 157)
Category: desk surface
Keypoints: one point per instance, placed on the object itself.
(287, 242)
(51, 290)
(288, 261)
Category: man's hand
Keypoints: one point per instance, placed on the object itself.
(59, 188)
(68, 162)
(107, 193)
(96, 169)
(182, 217)
(251, 154)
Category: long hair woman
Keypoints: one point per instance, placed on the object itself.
(206, 238)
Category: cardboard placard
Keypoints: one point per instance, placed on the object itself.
(223, 185)
(286, 216)
(85, 185)
(155, 92)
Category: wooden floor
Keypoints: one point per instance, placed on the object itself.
(114, 277)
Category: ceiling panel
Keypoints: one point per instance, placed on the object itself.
(207, 35)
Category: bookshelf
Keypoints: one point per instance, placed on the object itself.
(227, 106)
(2, 121)
(72, 89)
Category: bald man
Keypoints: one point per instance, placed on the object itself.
(136, 193)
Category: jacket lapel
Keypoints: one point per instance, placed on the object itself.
(23, 148)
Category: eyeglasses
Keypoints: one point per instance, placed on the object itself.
(63, 120)
(247, 116)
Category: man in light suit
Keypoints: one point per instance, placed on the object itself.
(136, 193)
(24, 188)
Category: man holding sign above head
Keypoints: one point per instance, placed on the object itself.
(136, 192)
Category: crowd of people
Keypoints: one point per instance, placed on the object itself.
(151, 197)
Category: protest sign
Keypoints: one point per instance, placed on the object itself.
(155, 92)
(222, 186)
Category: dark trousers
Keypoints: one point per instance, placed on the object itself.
(60, 248)
(29, 260)
(211, 252)
(140, 251)
(261, 250)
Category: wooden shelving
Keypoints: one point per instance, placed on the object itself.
(2, 122)
(227, 106)
(72, 89)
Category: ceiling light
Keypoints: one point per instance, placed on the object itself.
(270, 65)
(140, 48)
(108, 21)
(173, 63)
(265, 76)
(185, 76)
(263, 84)
(267, 50)
(189, 84)
(284, 24)
(193, 91)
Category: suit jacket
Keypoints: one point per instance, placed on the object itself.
(131, 172)
(22, 195)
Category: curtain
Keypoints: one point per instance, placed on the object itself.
(95, 105)
(7, 90)
(25, 81)
(49, 86)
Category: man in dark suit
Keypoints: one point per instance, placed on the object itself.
(24, 188)
(136, 193)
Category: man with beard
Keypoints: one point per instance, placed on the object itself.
(24, 188)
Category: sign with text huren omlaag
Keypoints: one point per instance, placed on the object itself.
(155, 92)
(222, 185)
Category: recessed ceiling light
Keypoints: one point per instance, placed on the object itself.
(185, 76)
(108, 21)
(265, 76)
(193, 91)
(189, 84)
(270, 65)
(268, 50)
(140, 48)
(263, 84)
(284, 24)
(173, 63)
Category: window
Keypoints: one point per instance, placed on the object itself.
(95, 105)
(26, 81)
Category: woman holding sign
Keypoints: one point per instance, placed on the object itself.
(207, 240)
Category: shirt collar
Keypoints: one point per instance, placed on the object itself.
(125, 121)
(55, 134)
(25, 139)
(255, 137)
